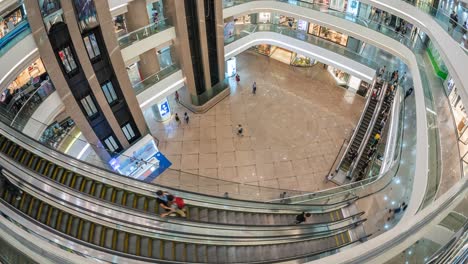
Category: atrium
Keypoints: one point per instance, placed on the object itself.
(233, 131)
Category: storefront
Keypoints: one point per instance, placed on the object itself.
(264, 49)
(328, 34)
(10, 20)
(299, 60)
(348, 81)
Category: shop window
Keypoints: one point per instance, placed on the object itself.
(92, 47)
(109, 92)
(89, 106)
(67, 59)
(128, 131)
(111, 144)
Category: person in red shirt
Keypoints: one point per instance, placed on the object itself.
(176, 205)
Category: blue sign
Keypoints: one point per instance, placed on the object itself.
(164, 110)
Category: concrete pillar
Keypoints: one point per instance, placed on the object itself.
(204, 43)
(55, 73)
(136, 18)
(107, 26)
(174, 11)
(220, 38)
(75, 33)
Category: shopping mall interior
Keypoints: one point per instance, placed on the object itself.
(305, 131)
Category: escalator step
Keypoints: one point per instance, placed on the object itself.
(248, 219)
(203, 214)
(144, 247)
(221, 254)
(62, 226)
(19, 154)
(120, 241)
(58, 174)
(75, 224)
(169, 250)
(152, 206)
(231, 254)
(212, 254)
(130, 200)
(119, 196)
(34, 208)
(87, 187)
(108, 194)
(231, 217)
(76, 184)
(44, 212)
(67, 179)
(25, 202)
(157, 249)
(222, 217)
(202, 253)
(53, 217)
(180, 252)
(141, 203)
(41, 168)
(240, 217)
(191, 255)
(109, 238)
(193, 213)
(97, 189)
(96, 235)
(132, 243)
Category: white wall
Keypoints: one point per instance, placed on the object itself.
(148, 43)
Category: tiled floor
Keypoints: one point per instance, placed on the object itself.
(293, 128)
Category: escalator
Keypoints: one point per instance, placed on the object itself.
(143, 200)
(153, 246)
(362, 128)
(358, 172)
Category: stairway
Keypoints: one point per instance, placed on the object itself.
(152, 246)
(147, 203)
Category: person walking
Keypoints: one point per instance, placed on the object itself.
(177, 119)
(237, 78)
(186, 118)
(301, 218)
(240, 130)
(254, 88)
(177, 99)
(376, 140)
(409, 92)
(453, 21)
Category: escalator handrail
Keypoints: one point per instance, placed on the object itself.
(55, 197)
(122, 182)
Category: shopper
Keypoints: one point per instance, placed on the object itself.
(176, 205)
(237, 78)
(240, 130)
(403, 78)
(352, 155)
(301, 218)
(382, 71)
(176, 95)
(161, 199)
(376, 140)
(254, 88)
(186, 118)
(453, 21)
(371, 152)
(409, 92)
(177, 119)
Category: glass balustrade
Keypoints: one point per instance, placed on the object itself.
(155, 78)
(142, 33)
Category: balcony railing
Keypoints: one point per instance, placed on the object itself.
(142, 33)
(20, 31)
(155, 78)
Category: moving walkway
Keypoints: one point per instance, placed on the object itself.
(138, 196)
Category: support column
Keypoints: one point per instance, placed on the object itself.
(220, 38)
(203, 43)
(55, 73)
(75, 34)
(175, 13)
(136, 18)
(107, 26)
